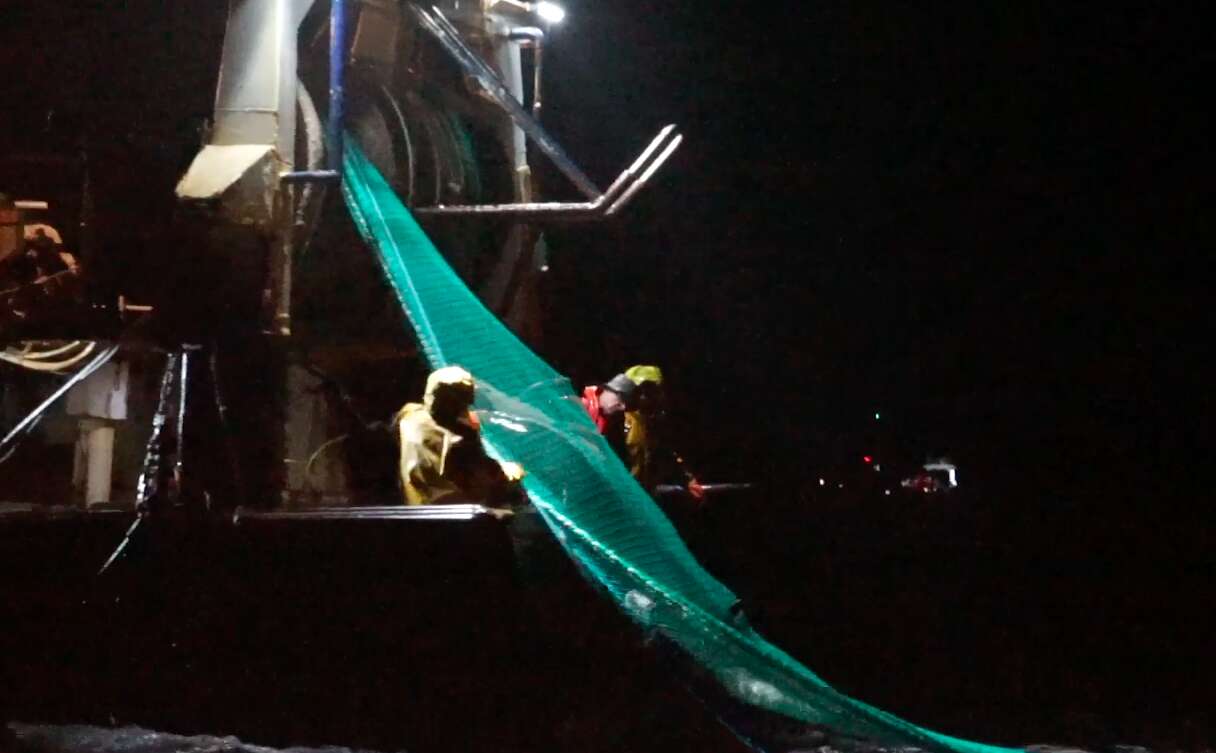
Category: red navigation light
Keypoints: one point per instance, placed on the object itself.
(867, 458)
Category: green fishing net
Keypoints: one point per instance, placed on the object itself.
(602, 518)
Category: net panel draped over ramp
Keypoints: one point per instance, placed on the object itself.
(606, 522)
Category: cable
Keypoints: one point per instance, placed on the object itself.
(52, 366)
(27, 423)
(34, 360)
(28, 430)
(44, 354)
(317, 453)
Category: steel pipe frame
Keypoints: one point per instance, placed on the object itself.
(617, 197)
(337, 83)
(534, 38)
(395, 512)
(602, 205)
(336, 122)
(311, 176)
(255, 96)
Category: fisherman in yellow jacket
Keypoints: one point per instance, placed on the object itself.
(442, 458)
(651, 460)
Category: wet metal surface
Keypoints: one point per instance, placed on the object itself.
(79, 738)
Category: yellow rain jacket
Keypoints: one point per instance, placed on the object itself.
(641, 440)
(447, 463)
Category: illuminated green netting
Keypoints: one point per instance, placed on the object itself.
(605, 521)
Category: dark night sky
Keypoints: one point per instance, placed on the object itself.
(981, 220)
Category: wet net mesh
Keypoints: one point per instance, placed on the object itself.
(601, 516)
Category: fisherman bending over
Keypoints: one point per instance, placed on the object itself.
(629, 411)
(442, 458)
(650, 457)
(606, 405)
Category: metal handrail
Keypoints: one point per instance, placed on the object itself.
(622, 191)
(395, 512)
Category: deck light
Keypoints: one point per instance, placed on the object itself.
(551, 12)
(546, 11)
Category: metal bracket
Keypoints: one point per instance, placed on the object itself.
(606, 205)
(311, 176)
(337, 103)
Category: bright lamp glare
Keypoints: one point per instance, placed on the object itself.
(551, 12)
